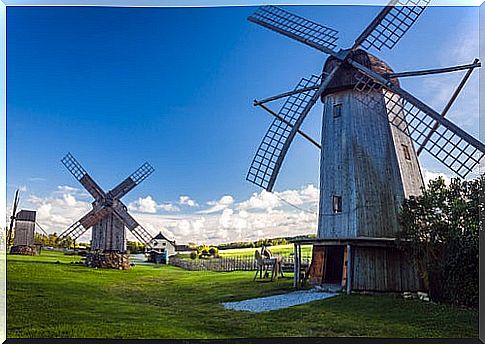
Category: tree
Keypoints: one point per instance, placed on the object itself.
(440, 234)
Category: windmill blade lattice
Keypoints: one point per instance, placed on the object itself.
(133, 180)
(74, 231)
(138, 230)
(83, 224)
(264, 167)
(82, 176)
(315, 35)
(142, 234)
(446, 144)
(391, 24)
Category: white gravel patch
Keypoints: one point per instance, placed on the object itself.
(271, 303)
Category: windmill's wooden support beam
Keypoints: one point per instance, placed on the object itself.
(283, 95)
(420, 105)
(302, 133)
(295, 265)
(349, 269)
(470, 66)
(436, 125)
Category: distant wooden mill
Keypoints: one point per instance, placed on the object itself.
(372, 134)
(108, 218)
(22, 229)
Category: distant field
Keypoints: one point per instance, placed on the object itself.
(47, 296)
(281, 250)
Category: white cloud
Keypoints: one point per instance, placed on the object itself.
(261, 215)
(149, 205)
(69, 199)
(59, 210)
(168, 207)
(186, 200)
(268, 201)
(144, 205)
(430, 175)
(216, 206)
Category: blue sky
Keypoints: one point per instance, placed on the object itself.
(120, 86)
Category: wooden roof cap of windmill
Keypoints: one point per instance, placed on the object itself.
(345, 78)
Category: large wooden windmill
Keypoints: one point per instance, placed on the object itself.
(372, 134)
(109, 215)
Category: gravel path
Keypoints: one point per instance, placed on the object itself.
(271, 303)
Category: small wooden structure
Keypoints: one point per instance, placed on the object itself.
(161, 249)
(23, 242)
(357, 264)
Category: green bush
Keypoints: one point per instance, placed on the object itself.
(193, 254)
(213, 251)
(442, 227)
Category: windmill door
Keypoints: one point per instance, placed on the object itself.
(334, 264)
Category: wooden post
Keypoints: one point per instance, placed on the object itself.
(295, 277)
(349, 269)
(299, 263)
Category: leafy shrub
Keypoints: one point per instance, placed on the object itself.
(213, 251)
(193, 254)
(442, 227)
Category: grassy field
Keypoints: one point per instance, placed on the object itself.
(280, 250)
(49, 297)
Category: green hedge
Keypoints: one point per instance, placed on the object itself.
(443, 226)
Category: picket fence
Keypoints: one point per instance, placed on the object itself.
(226, 264)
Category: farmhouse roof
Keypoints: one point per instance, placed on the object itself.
(160, 236)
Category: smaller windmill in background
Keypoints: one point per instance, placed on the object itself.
(108, 218)
(21, 229)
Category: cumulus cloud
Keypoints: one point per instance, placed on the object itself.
(216, 206)
(186, 200)
(261, 215)
(59, 210)
(431, 175)
(268, 201)
(149, 205)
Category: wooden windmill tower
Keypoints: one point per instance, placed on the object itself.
(108, 218)
(372, 134)
(22, 229)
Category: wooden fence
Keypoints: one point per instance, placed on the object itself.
(226, 264)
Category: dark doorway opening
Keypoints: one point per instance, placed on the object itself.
(334, 264)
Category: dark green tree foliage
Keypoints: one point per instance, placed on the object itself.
(443, 226)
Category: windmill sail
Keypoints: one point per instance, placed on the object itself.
(448, 144)
(303, 30)
(82, 176)
(108, 216)
(133, 180)
(12, 217)
(138, 231)
(267, 161)
(391, 24)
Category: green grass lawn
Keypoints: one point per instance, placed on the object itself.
(280, 250)
(50, 299)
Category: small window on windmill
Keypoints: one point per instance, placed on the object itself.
(407, 155)
(164, 244)
(337, 110)
(337, 204)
